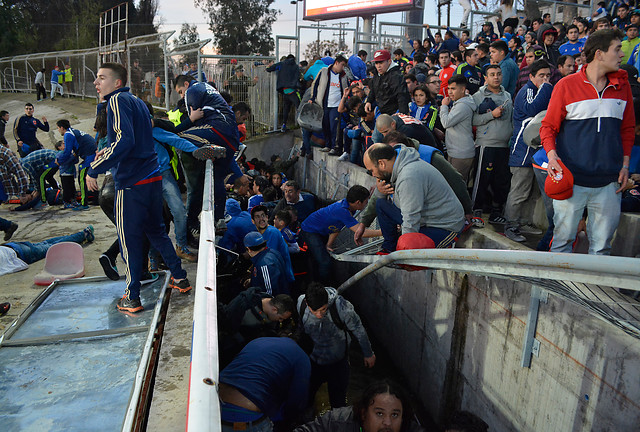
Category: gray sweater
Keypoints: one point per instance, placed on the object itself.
(423, 195)
(493, 132)
(329, 344)
(459, 132)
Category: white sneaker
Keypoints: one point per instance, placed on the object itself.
(325, 149)
(344, 157)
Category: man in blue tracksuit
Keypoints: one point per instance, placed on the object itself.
(25, 128)
(81, 145)
(269, 272)
(217, 126)
(531, 99)
(55, 84)
(134, 165)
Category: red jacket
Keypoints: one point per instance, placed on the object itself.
(590, 132)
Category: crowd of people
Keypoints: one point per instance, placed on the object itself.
(453, 130)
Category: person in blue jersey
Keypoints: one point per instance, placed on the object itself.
(77, 144)
(131, 157)
(56, 83)
(273, 236)
(573, 45)
(218, 127)
(268, 380)
(269, 272)
(322, 227)
(25, 128)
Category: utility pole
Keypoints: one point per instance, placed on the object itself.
(341, 35)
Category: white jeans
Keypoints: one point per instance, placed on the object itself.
(603, 206)
(54, 87)
(466, 6)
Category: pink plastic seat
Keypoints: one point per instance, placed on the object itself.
(63, 261)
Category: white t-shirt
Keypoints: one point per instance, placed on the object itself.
(9, 261)
(333, 100)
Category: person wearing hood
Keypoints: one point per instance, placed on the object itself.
(457, 122)
(422, 200)
(548, 36)
(287, 83)
(331, 322)
(313, 70)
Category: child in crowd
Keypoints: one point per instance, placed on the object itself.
(282, 220)
(277, 180)
(67, 173)
(422, 109)
(260, 183)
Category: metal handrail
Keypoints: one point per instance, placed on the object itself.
(203, 410)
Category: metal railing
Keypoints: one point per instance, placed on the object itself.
(203, 409)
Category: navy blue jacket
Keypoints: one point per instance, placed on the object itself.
(76, 143)
(131, 150)
(216, 109)
(25, 128)
(269, 272)
(529, 102)
(239, 226)
(288, 74)
(273, 373)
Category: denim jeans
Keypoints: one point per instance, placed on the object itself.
(603, 206)
(390, 216)
(306, 140)
(320, 264)
(54, 87)
(32, 252)
(330, 123)
(357, 150)
(173, 198)
(265, 426)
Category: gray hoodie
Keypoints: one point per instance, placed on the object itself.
(459, 132)
(329, 345)
(423, 195)
(493, 132)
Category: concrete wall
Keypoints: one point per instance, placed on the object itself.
(458, 341)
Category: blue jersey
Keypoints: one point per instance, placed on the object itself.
(571, 48)
(330, 219)
(77, 144)
(273, 373)
(269, 273)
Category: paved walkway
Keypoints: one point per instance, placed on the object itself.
(168, 410)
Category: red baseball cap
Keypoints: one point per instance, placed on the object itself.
(381, 55)
(560, 186)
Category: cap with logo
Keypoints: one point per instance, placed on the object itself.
(381, 55)
(559, 186)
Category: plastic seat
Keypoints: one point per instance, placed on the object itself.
(63, 261)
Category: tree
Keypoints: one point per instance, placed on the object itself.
(325, 45)
(17, 32)
(241, 27)
(188, 35)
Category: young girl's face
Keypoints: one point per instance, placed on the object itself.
(420, 97)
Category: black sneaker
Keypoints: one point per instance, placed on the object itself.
(209, 152)
(128, 305)
(148, 277)
(183, 286)
(334, 152)
(9, 232)
(4, 308)
(497, 219)
(109, 267)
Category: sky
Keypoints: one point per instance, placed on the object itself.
(173, 13)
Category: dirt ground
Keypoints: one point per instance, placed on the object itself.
(168, 411)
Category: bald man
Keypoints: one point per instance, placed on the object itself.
(407, 125)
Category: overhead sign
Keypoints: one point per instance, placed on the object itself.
(315, 10)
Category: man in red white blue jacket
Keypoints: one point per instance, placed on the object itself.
(590, 127)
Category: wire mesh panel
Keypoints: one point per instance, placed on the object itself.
(246, 80)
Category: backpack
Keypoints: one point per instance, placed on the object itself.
(306, 343)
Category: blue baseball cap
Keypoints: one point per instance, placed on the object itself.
(253, 239)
